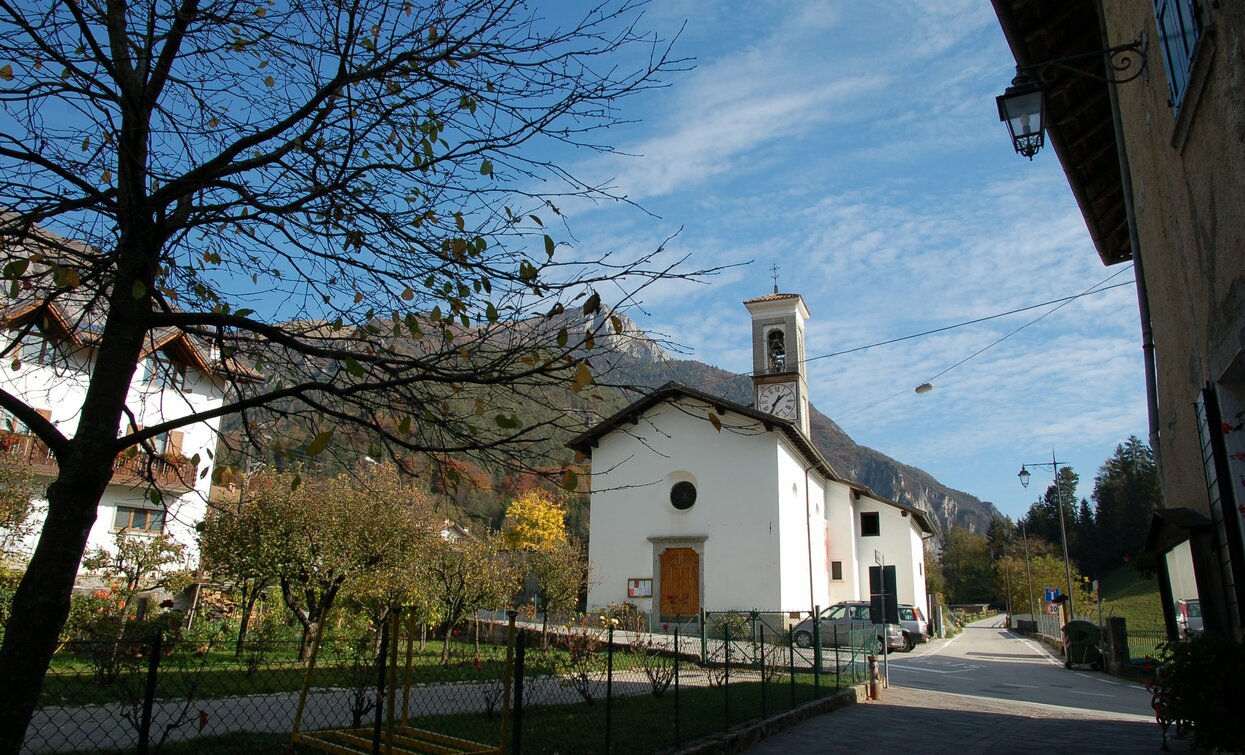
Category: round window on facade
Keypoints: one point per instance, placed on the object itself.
(683, 495)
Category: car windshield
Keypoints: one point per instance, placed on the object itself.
(835, 612)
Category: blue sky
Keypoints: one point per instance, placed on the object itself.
(857, 147)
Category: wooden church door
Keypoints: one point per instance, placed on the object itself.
(680, 582)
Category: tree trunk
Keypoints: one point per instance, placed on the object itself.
(249, 598)
(41, 603)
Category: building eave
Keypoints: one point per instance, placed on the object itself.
(1079, 121)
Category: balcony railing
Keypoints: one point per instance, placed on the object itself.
(133, 467)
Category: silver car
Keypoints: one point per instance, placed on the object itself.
(837, 622)
(915, 628)
(1189, 618)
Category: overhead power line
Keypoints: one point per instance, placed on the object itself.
(1061, 301)
(1095, 289)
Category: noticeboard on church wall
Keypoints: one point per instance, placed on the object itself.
(639, 587)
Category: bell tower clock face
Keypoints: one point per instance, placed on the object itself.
(778, 399)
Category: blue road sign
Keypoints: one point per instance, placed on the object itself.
(1052, 594)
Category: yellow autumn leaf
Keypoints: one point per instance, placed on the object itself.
(582, 378)
(715, 421)
(6, 72)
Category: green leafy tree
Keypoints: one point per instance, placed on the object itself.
(19, 489)
(967, 567)
(468, 574)
(236, 550)
(137, 564)
(1126, 494)
(323, 533)
(998, 537)
(560, 574)
(1042, 519)
(300, 184)
(1047, 570)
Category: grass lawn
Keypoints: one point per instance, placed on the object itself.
(638, 724)
(71, 678)
(1125, 593)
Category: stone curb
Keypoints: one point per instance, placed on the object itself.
(743, 737)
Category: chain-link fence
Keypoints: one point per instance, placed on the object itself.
(591, 684)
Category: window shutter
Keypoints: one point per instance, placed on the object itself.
(174, 447)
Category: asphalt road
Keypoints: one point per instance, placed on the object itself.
(989, 661)
(985, 691)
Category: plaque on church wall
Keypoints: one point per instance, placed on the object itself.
(639, 588)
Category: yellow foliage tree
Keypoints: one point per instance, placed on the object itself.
(535, 521)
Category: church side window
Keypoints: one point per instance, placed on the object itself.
(776, 346)
(870, 524)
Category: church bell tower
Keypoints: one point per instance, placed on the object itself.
(778, 370)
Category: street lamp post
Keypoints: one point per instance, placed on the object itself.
(1063, 530)
(1028, 573)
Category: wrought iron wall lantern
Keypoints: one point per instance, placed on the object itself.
(1023, 106)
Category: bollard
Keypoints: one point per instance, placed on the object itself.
(874, 688)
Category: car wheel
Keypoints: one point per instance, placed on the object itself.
(803, 639)
(880, 647)
(908, 644)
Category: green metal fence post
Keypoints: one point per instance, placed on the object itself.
(676, 687)
(704, 637)
(816, 652)
(516, 717)
(609, 688)
(761, 633)
(791, 662)
(149, 693)
(726, 679)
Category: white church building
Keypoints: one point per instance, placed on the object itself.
(702, 503)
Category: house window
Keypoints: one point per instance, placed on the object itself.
(35, 349)
(776, 348)
(836, 570)
(138, 520)
(870, 524)
(169, 445)
(1179, 31)
(159, 370)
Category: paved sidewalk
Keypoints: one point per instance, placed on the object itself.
(924, 721)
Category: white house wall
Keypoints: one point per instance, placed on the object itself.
(735, 473)
(62, 392)
(803, 534)
(842, 524)
(895, 541)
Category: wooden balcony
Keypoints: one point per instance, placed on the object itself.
(133, 468)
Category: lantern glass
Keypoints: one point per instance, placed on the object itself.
(1023, 108)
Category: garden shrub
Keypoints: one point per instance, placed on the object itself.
(1195, 686)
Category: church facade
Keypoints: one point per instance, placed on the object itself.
(701, 503)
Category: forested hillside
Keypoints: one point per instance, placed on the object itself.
(627, 364)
